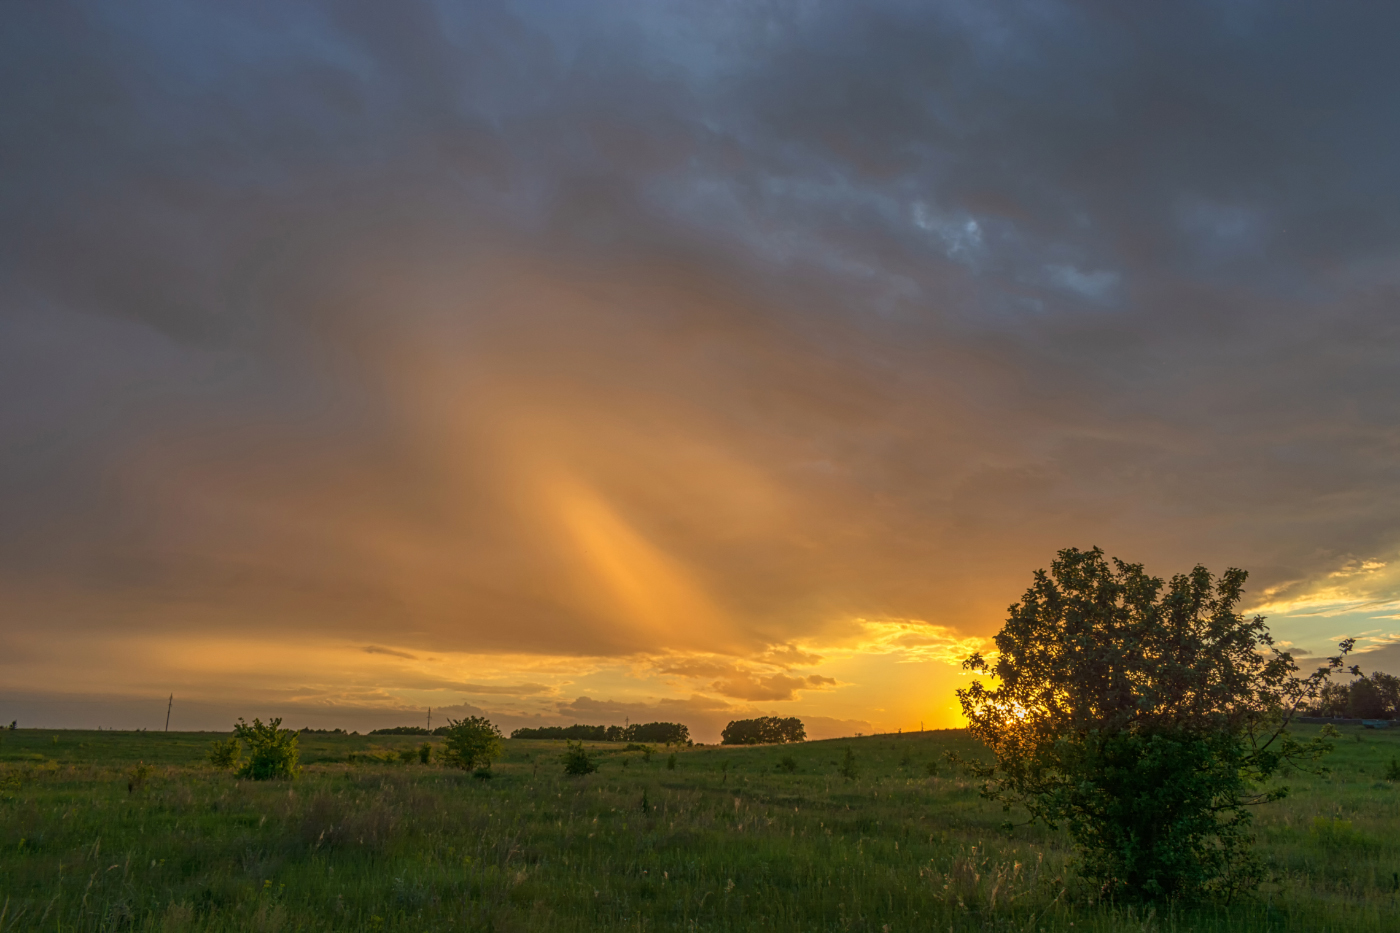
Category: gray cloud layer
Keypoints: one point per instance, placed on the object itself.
(843, 309)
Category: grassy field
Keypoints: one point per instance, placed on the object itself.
(724, 840)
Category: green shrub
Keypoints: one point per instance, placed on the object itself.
(849, 771)
(272, 750)
(646, 750)
(671, 762)
(406, 755)
(577, 761)
(787, 765)
(1338, 834)
(932, 768)
(425, 753)
(224, 753)
(471, 743)
(137, 777)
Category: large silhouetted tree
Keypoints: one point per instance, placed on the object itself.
(1146, 716)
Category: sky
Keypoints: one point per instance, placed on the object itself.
(616, 361)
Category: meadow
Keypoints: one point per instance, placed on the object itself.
(134, 831)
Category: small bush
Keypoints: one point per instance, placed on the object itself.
(671, 762)
(787, 765)
(471, 743)
(137, 777)
(1392, 773)
(1338, 834)
(848, 765)
(482, 774)
(932, 768)
(577, 761)
(425, 753)
(646, 750)
(406, 755)
(272, 750)
(224, 753)
(9, 785)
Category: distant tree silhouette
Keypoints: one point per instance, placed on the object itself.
(765, 730)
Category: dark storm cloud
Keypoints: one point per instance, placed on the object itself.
(294, 296)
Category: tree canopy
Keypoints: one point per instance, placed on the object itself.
(1145, 715)
(765, 730)
(473, 742)
(272, 750)
(1376, 696)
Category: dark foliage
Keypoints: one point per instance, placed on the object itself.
(1367, 697)
(766, 730)
(272, 750)
(575, 732)
(471, 743)
(672, 733)
(848, 769)
(577, 761)
(1146, 716)
(407, 730)
(224, 753)
(662, 733)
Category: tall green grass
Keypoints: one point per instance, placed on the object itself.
(729, 841)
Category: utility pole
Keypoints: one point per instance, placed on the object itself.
(167, 711)
(430, 719)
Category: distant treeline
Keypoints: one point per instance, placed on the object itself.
(1368, 697)
(409, 730)
(765, 730)
(673, 733)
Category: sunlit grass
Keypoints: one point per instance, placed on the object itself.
(728, 841)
